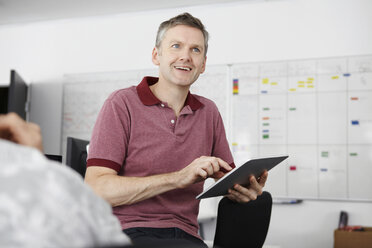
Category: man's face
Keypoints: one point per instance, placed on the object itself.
(181, 56)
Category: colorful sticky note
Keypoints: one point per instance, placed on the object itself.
(325, 154)
(235, 86)
(293, 167)
(334, 77)
(265, 80)
(354, 122)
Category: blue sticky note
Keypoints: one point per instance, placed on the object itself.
(354, 122)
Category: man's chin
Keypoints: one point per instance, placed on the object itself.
(185, 82)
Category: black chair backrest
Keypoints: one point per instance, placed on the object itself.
(243, 224)
(76, 154)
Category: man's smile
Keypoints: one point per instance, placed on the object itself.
(184, 68)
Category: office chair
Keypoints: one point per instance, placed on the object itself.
(76, 154)
(243, 225)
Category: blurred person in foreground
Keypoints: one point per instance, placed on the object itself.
(44, 203)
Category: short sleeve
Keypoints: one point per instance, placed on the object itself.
(110, 136)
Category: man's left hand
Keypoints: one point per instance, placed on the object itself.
(242, 194)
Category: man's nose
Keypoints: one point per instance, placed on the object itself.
(185, 55)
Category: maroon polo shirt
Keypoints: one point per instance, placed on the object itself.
(138, 135)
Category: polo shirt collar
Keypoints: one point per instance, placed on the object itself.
(148, 98)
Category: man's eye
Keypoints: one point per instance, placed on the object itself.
(197, 50)
(175, 45)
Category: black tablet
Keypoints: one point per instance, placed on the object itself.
(240, 175)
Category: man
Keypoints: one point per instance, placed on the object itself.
(45, 204)
(153, 145)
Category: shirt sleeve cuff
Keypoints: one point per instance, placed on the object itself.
(104, 163)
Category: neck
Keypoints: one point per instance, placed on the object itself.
(173, 95)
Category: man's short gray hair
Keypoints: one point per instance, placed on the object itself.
(182, 19)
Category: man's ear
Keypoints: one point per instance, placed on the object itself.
(155, 56)
(203, 67)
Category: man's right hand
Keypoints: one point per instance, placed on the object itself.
(201, 169)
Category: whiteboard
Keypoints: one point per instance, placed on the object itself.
(318, 111)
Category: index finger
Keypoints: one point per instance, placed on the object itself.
(224, 167)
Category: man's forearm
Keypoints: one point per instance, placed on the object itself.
(121, 190)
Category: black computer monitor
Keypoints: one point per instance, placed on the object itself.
(76, 155)
(4, 99)
(17, 95)
(13, 98)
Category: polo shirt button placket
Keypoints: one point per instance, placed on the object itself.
(173, 124)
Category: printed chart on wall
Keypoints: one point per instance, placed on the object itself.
(318, 111)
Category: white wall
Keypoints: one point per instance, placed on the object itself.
(240, 32)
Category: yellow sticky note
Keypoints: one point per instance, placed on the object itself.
(265, 81)
(310, 79)
(274, 83)
(309, 82)
(335, 77)
(234, 144)
(300, 82)
(292, 89)
(310, 86)
(301, 86)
